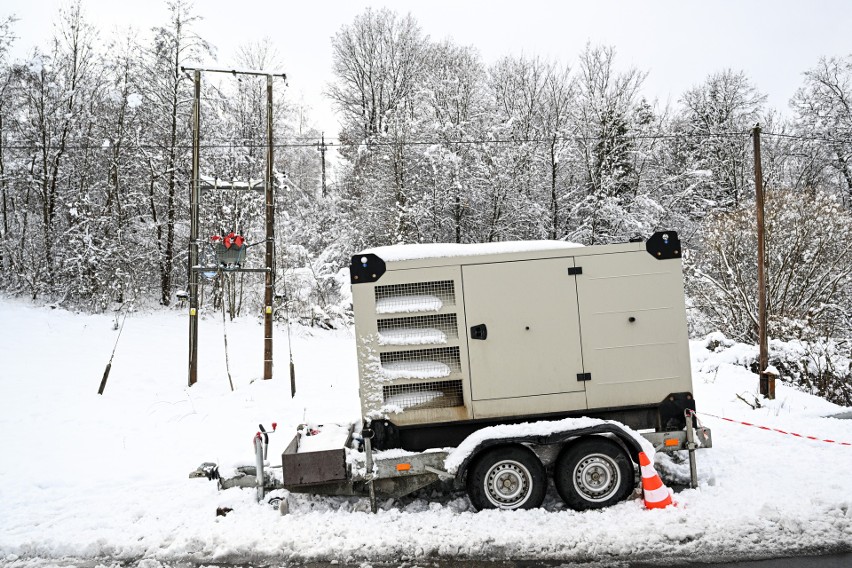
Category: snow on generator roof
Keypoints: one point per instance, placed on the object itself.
(399, 253)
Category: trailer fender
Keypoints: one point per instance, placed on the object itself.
(611, 430)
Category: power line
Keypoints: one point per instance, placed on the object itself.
(313, 143)
(807, 138)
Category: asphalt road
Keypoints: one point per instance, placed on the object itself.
(842, 560)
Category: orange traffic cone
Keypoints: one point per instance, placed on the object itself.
(657, 495)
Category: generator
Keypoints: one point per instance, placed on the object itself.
(452, 338)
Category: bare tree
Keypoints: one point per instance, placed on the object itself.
(377, 61)
(56, 90)
(810, 273)
(824, 108)
(455, 109)
(6, 100)
(558, 98)
(168, 100)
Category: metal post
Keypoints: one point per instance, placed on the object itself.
(192, 275)
(690, 445)
(258, 462)
(767, 383)
(270, 240)
(322, 148)
(368, 462)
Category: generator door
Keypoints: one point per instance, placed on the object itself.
(635, 347)
(523, 333)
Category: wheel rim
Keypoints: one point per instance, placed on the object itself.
(508, 484)
(597, 477)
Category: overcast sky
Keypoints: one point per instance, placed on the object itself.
(678, 42)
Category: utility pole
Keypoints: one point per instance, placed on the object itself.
(194, 196)
(322, 147)
(767, 381)
(195, 193)
(270, 240)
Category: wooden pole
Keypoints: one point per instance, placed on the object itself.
(270, 240)
(767, 381)
(192, 276)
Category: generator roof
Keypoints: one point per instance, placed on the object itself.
(398, 253)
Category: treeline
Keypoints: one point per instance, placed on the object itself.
(441, 147)
(95, 158)
(435, 145)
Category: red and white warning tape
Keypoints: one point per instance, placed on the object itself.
(775, 429)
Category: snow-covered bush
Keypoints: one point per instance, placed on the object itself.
(822, 367)
(809, 268)
(316, 290)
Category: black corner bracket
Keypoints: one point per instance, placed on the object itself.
(672, 409)
(664, 245)
(366, 268)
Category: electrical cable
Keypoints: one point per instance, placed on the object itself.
(224, 326)
(472, 141)
(114, 347)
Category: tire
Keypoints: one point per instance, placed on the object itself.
(508, 477)
(593, 473)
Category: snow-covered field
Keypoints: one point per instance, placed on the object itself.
(104, 479)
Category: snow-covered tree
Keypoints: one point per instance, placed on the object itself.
(378, 63)
(715, 120)
(824, 114)
(607, 116)
(809, 268)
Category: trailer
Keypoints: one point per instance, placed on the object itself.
(497, 366)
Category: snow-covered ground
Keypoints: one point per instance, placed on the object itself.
(89, 478)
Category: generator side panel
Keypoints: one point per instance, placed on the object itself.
(633, 326)
(412, 357)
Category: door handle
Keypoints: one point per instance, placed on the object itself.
(479, 332)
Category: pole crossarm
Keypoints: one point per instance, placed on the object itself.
(236, 72)
(207, 183)
(215, 268)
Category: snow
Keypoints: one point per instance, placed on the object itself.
(327, 437)
(408, 304)
(103, 480)
(415, 370)
(397, 253)
(407, 336)
(410, 399)
(134, 100)
(459, 454)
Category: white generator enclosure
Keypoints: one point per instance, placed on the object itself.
(452, 338)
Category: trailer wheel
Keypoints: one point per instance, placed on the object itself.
(508, 477)
(593, 473)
